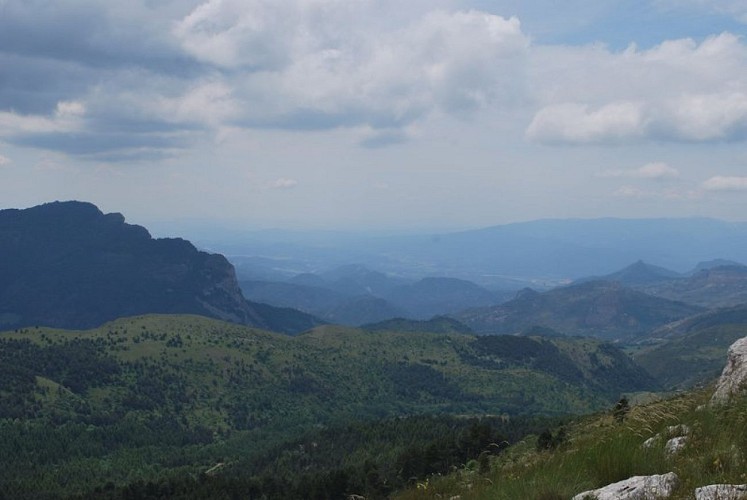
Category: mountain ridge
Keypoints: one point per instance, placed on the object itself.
(67, 264)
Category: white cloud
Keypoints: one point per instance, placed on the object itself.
(725, 183)
(232, 33)
(209, 103)
(66, 118)
(4, 160)
(705, 117)
(282, 183)
(70, 109)
(679, 90)
(321, 63)
(654, 171)
(576, 123)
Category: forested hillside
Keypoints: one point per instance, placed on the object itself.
(157, 398)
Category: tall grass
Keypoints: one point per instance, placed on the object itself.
(601, 451)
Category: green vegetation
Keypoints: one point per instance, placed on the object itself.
(696, 352)
(170, 402)
(599, 450)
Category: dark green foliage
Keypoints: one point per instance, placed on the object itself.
(439, 324)
(549, 441)
(538, 354)
(621, 409)
(416, 381)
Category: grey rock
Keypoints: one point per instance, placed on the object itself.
(733, 379)
(635, 488)
(652, 441)
(674, 445)
(722, 492)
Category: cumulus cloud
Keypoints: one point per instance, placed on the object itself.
(577, 123)
(293, 64)
(655, 171)
(4, 160)
(679, 90)
(147, 78)
(725, 183)
(66, 118)
(704, 117)
(316, 64)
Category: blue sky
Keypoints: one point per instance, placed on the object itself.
(341, 114)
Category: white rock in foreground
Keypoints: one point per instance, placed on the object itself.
(734, 377)
(635, 488)
(722, 492)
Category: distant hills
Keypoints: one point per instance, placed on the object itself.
(537, 254)
(715, 283)
(66, 264)
(637, 274)
(719, 286)
(692, 351)
(598, 309)
(354, 295)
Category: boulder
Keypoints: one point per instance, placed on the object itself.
(635, 488)
(733, 379)
(722, 492)
(674, 445)
(677, 435)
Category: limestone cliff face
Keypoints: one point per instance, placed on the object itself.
(733, 379)
(66, 264)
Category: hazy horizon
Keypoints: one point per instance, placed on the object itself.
(434, 116)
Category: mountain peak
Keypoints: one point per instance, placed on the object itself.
(67, 264)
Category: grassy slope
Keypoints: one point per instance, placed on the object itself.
(600, 451)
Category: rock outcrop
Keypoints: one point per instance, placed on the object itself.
(733, 379)
(677, 437)
(635, 488)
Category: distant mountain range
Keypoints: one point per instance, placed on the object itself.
(537, 254)
(716, 283)
(66, 264)
(599, 309)
(354, 295)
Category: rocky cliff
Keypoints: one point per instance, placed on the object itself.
(66, 264)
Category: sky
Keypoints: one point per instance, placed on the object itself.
(375, 114)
